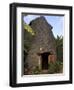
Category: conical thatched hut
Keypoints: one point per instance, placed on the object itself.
(42, 50)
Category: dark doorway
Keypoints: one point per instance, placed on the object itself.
(44, 57)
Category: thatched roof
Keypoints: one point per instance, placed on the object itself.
(44, 37)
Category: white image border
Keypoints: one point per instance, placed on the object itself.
(49, 77)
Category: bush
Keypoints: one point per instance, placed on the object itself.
(51, 68)
(36, 70)
(55, 67)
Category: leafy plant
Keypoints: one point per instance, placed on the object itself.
(59, 47)
(36, 70)
(29, 29)
(55, 67)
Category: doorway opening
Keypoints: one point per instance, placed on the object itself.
(44, 60)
